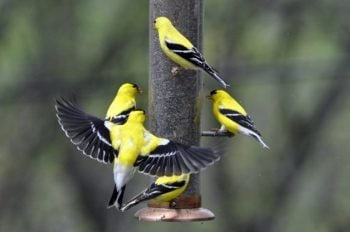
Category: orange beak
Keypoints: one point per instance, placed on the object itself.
(139, 90)
(209, 97)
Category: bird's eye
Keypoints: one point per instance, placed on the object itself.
(154, 21)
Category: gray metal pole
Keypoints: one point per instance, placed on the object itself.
(174, 103)
(174, 106)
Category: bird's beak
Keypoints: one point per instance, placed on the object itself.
(209, 97)
(139, 90)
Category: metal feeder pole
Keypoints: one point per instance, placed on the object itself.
(174, 105)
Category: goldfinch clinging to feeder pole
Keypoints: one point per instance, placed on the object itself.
(180, 50)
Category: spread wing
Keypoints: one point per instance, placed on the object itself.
(175, 159)
(244, 121)
(88, 133)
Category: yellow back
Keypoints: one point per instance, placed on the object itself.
(166, 30)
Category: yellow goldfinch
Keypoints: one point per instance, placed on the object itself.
(180, 50)
(130, 147)
(140, 150)
(232, 116)
(123, 103)
(164, 189)
(89, 133)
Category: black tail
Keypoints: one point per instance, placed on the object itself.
(214, 74)
(116, 198)
(143, 196)
(151, 192)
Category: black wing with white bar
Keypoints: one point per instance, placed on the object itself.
(175, 159)
(88, 133)
(122, 117)
(192, 54)
(153, 191)
(244, 121)
(195, 57)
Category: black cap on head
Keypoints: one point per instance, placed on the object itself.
(213, 92)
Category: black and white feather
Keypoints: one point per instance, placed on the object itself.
(247, 125)
(153, 191)
(122, 117)
(244, 121)
(175, 159)
(195, 57)
(116, 197)
(90, 134)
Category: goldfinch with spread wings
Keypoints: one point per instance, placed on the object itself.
(142, 151)
(180, 50)
(164, 189)
(129, 147)
(89, 133)
(232, 116)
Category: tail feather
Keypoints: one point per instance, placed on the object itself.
(214, 74)
(259, 139)
(143, 196)
(116, 198)
(255, 134)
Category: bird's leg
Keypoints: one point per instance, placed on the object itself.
(222, 129)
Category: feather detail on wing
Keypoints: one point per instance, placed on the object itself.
(190, 54)
(195, 57)
(244, 121)
(175, 159)
(122, 117)
(153, 191)
(88, 133)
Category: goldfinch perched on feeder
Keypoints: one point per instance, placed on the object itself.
(180, 50)
(129, 147)
(164, 189)
(232, 116)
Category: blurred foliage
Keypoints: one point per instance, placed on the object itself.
(287, 62)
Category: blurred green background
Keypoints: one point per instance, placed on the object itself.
(288, 63)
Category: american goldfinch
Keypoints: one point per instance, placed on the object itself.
(180, 50)
(232, 116)
(140, 150)
(164, 189)
(123, 103)
(89, 133)
(129, 147)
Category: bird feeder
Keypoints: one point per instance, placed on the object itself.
(174, 105)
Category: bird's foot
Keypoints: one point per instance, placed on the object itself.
(219, 132)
